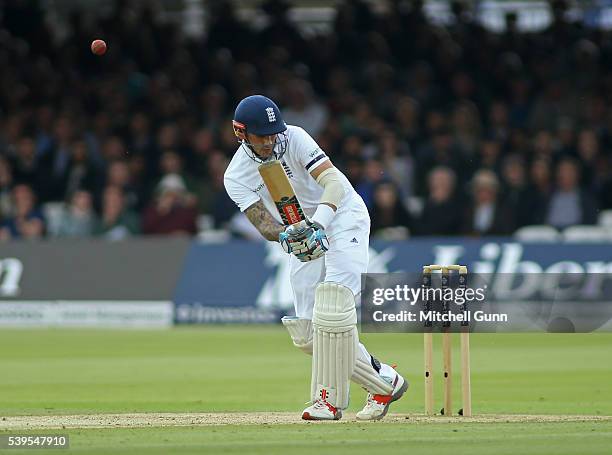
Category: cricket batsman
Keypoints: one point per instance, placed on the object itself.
(329, 252)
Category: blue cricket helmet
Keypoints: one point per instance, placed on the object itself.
(259, 115)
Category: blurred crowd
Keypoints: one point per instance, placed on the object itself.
(442, 131)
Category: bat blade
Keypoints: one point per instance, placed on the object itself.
(282, 193)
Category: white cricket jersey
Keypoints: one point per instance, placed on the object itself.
(245, 186)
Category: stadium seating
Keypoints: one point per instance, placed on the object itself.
(537, 233)
(605, 219)
(587, 233)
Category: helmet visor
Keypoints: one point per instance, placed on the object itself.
(264, 148)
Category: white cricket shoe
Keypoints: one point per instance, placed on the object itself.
(321, 410)
(377, 405)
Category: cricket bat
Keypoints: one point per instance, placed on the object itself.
(282, 193)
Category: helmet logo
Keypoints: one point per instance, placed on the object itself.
(271, 114)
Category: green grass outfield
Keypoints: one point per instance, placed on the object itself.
(248, 369)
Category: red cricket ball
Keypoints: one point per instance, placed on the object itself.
(98, 47)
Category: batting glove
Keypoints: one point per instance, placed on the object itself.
(317, 245)
(305, 240)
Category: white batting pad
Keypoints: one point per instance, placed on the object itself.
(366, 376)
(300, 331)
(335, 343)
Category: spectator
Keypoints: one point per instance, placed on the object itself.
(566, 136)
(441, 214)
(6, 187)
(141, 138)
(139, 187)
(489, 155)
(515, 195)
(373, 174)
(119, 174)
(27, 221)
(557, 100)
(441, 151)
(168, 137)
(203, 145)
(79, 218)
(25, 164)
(589, 154)
(467, 127)
(544, 144)
(169, 213)
(212, 197)
(214, 103)
(303, 109)
(280, 30)
(387, 210)
(57, 160)
(10, 132)
(485, 215)
(352, 147)
(569, 203)
(520, 101)
(353, 169)
(397, 162)
(113, 149)
(226, 31)
(606, 194)
(407, 112)
(499, 121)
(171, 163)
(117, 221)
(80, 173)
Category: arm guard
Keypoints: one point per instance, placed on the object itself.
(333, 190)
(333, 193)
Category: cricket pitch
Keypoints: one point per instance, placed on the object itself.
(143, 420)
